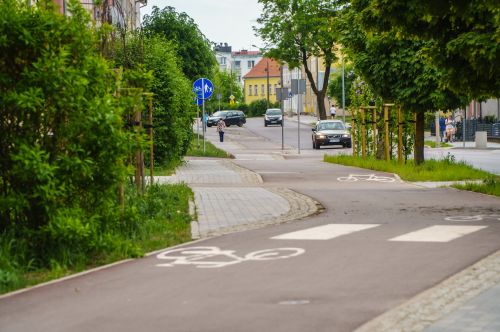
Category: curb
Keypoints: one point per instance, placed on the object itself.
(431, 305)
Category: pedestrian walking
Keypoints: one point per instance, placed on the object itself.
(442, 128)
(333, 111)
(450, 129)
(221, 125)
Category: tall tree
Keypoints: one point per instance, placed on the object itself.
(464, 37)
(398, 71)
(192, 46)
(295, 30)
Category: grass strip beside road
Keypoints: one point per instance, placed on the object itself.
(210, 150)
(432, 144)
(490, 186)
(431, 170)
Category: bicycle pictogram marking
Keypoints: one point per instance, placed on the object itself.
(366, 177)
(477, 217)
(214, 257)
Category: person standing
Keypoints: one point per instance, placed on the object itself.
(333, 111)
(442, 128)
(221, 125)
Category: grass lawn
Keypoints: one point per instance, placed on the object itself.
(490, 186)
(432, 144)
(210, 149)
(431, 170)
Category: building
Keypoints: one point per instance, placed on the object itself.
(265, 73)
(243, 61)
(224, 58)
(122, 13)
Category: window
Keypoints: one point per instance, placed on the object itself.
(275, 88)
(256, 90)
(250, 90)
(262, 91)
(251, 63)
(222, 60)
(237, 63)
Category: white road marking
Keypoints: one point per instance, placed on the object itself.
(325, 232)
(438, 233)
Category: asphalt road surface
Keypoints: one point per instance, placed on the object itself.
(378, 243)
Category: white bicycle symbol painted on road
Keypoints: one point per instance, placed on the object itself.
(201, 257)
(365, 177)
(477, 217)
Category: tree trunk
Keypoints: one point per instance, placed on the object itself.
(419, 138)
(320, 94)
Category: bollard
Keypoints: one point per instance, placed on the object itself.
(481, 139)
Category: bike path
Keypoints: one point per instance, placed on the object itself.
(335, 284)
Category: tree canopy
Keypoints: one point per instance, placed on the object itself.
(297, 30)
(463, 37)
(192, 46)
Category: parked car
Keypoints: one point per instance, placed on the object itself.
(273, 116)
(331, 132)
(231, 117)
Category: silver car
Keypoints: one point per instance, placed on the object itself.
(331, 132)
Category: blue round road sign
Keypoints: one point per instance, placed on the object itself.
(203, 88)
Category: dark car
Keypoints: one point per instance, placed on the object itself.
(331, 132)
(273, 116)
(232, 117)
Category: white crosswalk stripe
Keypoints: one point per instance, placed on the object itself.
(438, 233)
(326, 232)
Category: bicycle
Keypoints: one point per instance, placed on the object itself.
(198, 256)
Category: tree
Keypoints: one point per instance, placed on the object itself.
(463, 36)
(172, 95)
(192, 47)
(398, 71)
(298, 29)
(61, 145)
(335, 85)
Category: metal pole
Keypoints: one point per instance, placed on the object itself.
(282, 105)
(298, 110)
(464, 122)
(386, 132)
(203, 119)
(363, 133)
(343, 90)
(198, 122)
(267, 87)
(400, 136)
(374, 131)
(438, 130)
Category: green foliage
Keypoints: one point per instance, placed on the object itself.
(464, 37)
(259, 107)
(490, 186)
(173, 110)
(193, 48)
(297, 30)
(196, 149)
(335, 86)
(61, 141)
(146, 223)
(431, 170)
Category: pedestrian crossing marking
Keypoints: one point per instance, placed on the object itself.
(325, 232)
(438, 233)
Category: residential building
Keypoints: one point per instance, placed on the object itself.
(122, 13)
(243, 62)
(265, 73)
(224, 56)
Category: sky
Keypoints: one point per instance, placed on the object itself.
(221, 21)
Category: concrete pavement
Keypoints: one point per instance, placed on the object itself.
(468, 301)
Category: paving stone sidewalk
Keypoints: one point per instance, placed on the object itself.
(229, 198)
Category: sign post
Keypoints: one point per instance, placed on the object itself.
(203, 88)
(298, 88)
